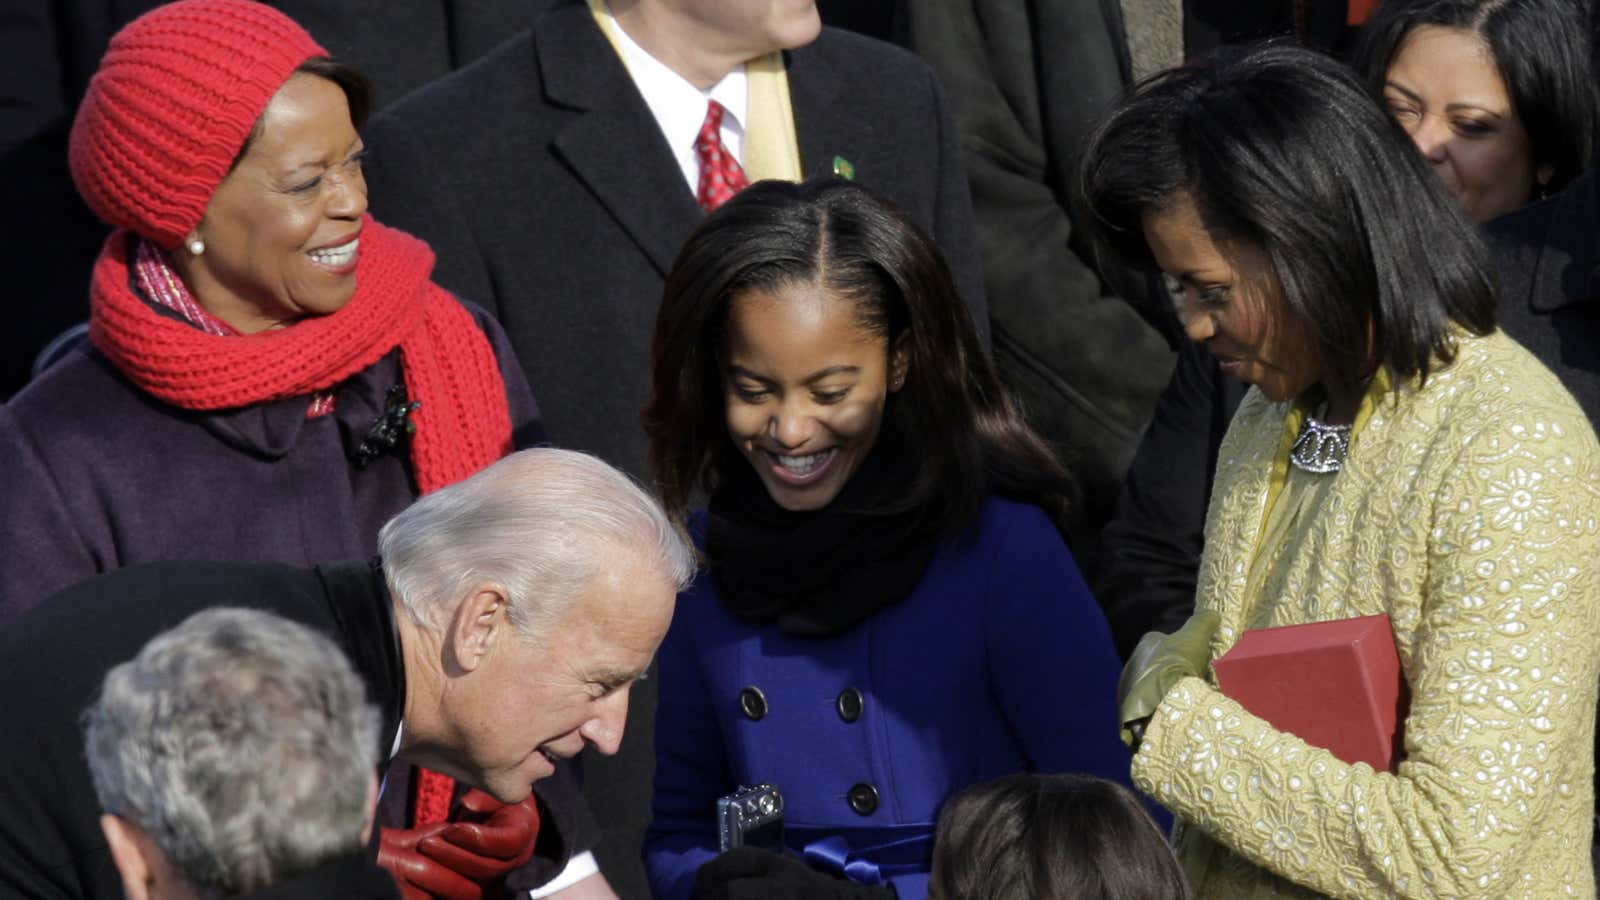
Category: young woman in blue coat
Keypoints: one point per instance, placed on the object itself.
(888, 612)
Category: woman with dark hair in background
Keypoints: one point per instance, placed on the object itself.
(1497, 94)
(1031, 836)
(1396, 455)
(889, 612)
(1498, 97)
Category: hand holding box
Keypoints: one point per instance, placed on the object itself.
(1335, 685)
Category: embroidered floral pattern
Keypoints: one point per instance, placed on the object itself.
(1469, 512)
(1517, 500)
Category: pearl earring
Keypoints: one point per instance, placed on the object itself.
(197, 246)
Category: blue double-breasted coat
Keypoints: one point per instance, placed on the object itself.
(1000, 661)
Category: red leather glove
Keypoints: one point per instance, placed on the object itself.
(488, 840)
(422, 877)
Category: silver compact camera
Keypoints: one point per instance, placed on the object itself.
(751, 817)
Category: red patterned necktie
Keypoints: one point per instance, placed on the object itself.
(721, 176)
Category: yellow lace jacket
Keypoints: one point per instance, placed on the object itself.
(1468, 510)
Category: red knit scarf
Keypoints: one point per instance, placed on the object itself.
(463, 424)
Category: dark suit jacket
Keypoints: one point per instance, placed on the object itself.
(49, 49)
(544, 184)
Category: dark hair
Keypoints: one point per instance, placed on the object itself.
(1541, 48)
(357, 94)
(1282, 147)
(1052, 837)
(968, 436)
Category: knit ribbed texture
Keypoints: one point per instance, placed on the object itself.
(175, 98)
(435, 794)
(464, 423)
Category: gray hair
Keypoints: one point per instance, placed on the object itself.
(541, 524)
(242, 743)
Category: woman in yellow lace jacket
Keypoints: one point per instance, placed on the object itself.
(1397, 455)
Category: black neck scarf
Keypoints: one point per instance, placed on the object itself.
(818, 573)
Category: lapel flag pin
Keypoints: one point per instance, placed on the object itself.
(843, 168)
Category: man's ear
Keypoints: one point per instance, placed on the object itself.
(129, 846)
(480, 621)
(899, 361)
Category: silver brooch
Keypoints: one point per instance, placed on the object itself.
(1320, 447)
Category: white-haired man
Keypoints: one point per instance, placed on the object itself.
(510, 616)
(185, 815)
(566, 168)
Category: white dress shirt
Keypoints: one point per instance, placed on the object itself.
(680, 108)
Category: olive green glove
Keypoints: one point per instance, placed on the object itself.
(1157, 663)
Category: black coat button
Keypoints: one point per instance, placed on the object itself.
(864, 799)
(850, 704)
(754, 703)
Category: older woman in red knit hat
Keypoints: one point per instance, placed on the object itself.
(271, 373)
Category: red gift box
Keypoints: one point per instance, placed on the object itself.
(1335, 685)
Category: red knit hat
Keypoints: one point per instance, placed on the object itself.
(176, 97)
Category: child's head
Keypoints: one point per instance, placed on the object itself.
(799, 321)
(1051, 837)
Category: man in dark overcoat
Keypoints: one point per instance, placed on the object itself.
(541, 177)
(503, 629)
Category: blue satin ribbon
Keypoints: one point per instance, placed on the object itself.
(866, 855)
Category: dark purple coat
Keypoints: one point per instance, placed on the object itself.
(97, 475)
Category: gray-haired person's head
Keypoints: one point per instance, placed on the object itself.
(540, 523)
(242, 744)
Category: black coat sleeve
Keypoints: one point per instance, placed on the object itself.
(1150, 552)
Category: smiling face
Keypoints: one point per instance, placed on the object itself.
(805, 384)
(1446, 91)
(281, 231)
(529, 703)
(1228, 299)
